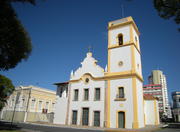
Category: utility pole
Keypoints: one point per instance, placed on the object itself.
(27, 106)
(16, 101)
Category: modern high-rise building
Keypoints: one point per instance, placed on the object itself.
(176, 106)
(157, 77)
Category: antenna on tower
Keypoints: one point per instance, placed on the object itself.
(89, 48)
(122, 10)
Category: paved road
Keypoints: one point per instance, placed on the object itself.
(42, 128)
(172, 127)
(169, 130)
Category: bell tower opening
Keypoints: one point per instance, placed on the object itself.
(120, 39)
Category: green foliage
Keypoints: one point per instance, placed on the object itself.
(6, 89)
(23, 1)
(168, 9)
(15, 44)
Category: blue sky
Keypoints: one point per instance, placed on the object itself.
(62, 30)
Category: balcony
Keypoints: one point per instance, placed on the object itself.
(120, 97)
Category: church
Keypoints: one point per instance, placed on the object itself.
(110, 97)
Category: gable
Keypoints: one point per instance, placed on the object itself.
(88, 66)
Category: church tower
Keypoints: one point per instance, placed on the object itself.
(124, 94)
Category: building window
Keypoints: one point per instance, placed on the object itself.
(76, 92)
(96, 118)
(74, 117)
(53, 104)
(97, 94)
(120, 92)
(60, 92)
(85, 116)
(40, 105)
(120, 39)
(23, 103)
(86, 94)
(47, 105)
(33, 103)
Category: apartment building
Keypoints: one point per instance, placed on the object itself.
(29, 103)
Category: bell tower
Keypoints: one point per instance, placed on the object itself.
(124, 75)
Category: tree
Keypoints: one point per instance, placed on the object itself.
(168, 9)
(15, 45)
(6, 88)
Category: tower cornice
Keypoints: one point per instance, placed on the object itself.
(122, 22)
(114, 75)
(125, 44)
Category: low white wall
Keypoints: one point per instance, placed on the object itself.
(60, 111)
(149, 112)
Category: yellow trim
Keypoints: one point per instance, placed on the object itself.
(134, 90)
(131, 33)
(124, 118)
(109, 52)
(132, 38)
(135, 105)
(121, 105)
(144, 112)
(155, 112)
(129, 21)
(111, 76)
(120, 99)
(108, 103)
(125, 44)
(133, 62)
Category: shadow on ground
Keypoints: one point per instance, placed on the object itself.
(174, 125)
(7, 126)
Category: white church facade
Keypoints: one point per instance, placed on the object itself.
(110, 97)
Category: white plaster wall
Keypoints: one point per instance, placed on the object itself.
(157, 112)
(137, 36)
(60, 110)
(127, 105)
(120, 54)
(91, 104)
(88, 66)
(138, 61)
(149, 112)
(114, 33)
(139, 88)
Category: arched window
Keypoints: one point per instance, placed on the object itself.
(120, 39)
